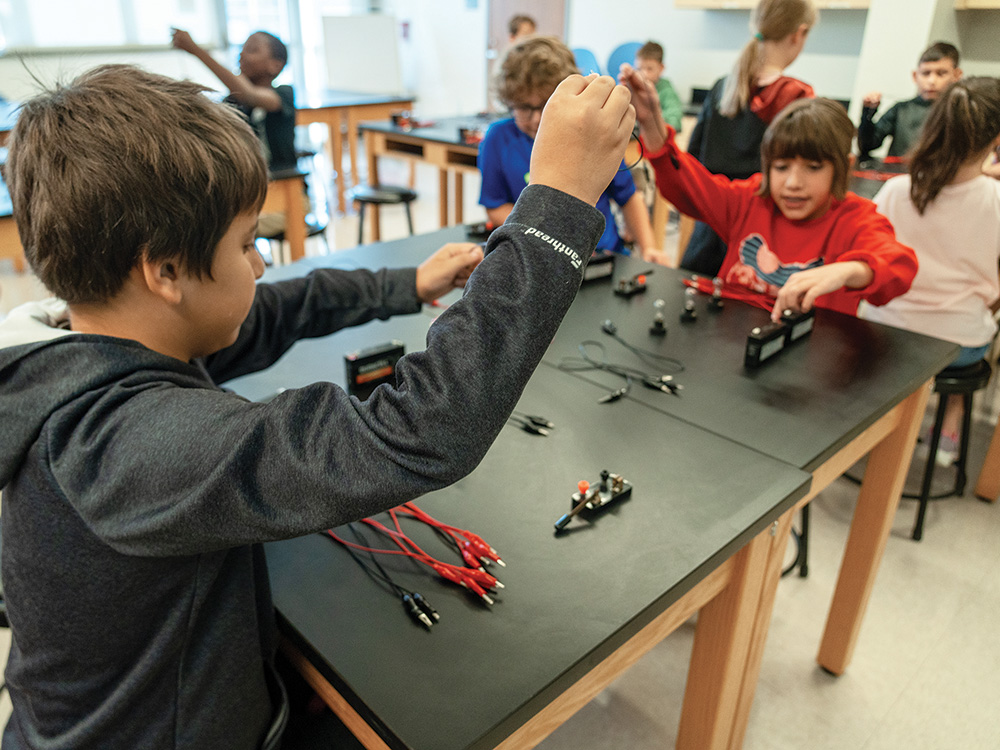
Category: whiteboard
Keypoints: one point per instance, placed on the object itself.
(362, 54)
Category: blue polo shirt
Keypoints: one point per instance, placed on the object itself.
(504, 160)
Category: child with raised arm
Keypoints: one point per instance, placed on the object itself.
(649, 62)
(796, 238)
(528, 74)
(936, 69)
(269, 109)
(740, 106)
(949, 211)
(136, 491)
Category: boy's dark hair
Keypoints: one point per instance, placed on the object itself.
(961, 125)
(815, 129)
(940, 51)
(650, 51)
(515, 23)
(534, 64)
(278, 49)
(122, 165)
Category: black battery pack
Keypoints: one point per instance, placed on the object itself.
(369, 368)
(600, 266)
(763, 343)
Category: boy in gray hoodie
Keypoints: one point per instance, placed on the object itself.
(136, 492)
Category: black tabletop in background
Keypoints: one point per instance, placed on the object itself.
(440, 130)
(799, 407)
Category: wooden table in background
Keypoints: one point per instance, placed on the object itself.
(438, 144)
(10, 241)
(284, 195)
(340, 110)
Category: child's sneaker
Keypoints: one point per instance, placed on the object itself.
(947, 452)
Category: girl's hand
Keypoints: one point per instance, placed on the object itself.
(647, 107)
(801, 290)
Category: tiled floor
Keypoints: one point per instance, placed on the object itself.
(926, 673)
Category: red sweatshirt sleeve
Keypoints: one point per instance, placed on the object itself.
(874, 243)
(696, 192)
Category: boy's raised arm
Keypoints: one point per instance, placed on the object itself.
(646, 102)
(587, 126)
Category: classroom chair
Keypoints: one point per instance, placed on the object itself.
(586, 61)
(963, 381)
(623, 53)
(381, 195)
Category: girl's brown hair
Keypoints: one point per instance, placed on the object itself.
(123, 165)
(960, 126)
(535, 64)
(815, 129)
(771, 20)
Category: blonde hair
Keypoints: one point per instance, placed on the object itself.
(771, 21)
(535, 64)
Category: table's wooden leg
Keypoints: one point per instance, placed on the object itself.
(352, 145)
(684, 230)
(10, 244)
(888, 465)
(337, 158)
(721, 645)
(459, 198)
(988, 486)
(443, 188)
(295, 219)
(376, 215)
(762, 622)
(661, 214)
(352, 720)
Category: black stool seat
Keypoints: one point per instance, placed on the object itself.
(962, 381)
(381, 195)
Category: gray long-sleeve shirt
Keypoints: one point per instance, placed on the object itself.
(136, 491)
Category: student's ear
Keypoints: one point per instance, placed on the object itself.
(162, 278)
(957, 75)
(274, 67)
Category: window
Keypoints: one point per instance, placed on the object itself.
(56, 25)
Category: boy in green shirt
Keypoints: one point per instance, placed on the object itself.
(649, 61)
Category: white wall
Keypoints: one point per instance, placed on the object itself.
(702, 45)
(17, 74)
(444, 65)
(444, 59)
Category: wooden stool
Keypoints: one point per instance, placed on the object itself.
(962, 381)
(381, 195)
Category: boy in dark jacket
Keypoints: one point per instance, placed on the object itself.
(936, 69)
(136, 492)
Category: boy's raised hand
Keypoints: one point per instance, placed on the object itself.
(182, 40)
(647, 107)
(582, 136)
(447, 269)
(872, 100)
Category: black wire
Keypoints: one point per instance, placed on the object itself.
(380, 575)
(645, 355)
(586, 363)
(642, 154)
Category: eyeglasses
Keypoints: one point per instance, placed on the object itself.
(525, 110)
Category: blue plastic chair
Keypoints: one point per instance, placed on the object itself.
(623, 53)
(586, 61)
